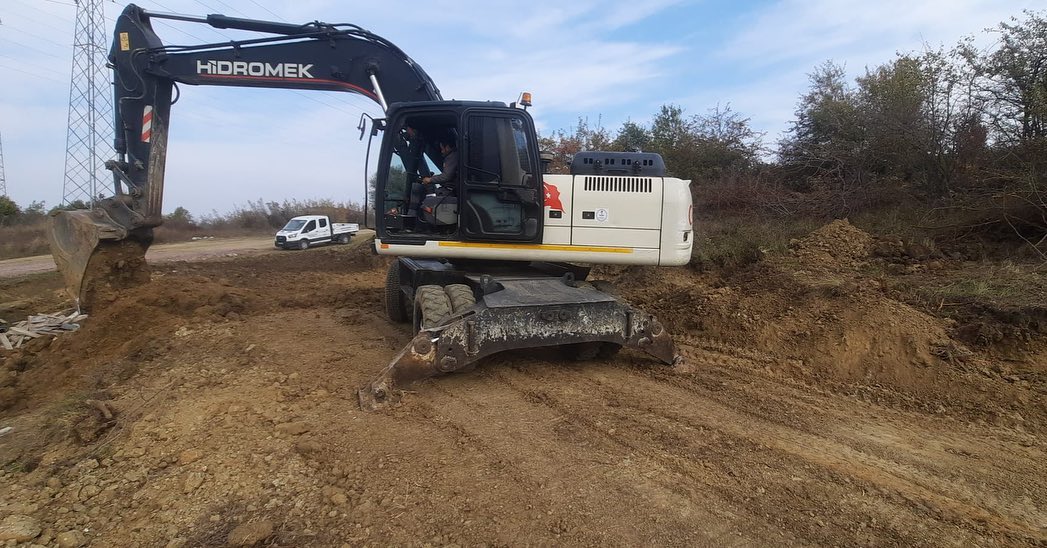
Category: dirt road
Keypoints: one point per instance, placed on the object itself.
(182, 251)
(233, 409)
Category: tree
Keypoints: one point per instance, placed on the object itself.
(179, 215)
(891, 99)
(8, 210)
(632, 137)
(180, 218)
(564, 146)
(726, 142)
(826, 141)
(74, 205)
(1015, 79)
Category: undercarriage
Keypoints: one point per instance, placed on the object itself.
(464, 312)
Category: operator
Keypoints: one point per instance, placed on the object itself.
(450, 167)
(445, 178)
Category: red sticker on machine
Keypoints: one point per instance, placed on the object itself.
(552, 196)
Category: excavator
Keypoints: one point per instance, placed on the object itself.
(492, 252)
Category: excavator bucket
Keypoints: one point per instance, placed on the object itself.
(95, 255)
(523, 314)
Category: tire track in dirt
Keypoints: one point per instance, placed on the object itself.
(555, 455)
(940, 443)
(930, 495)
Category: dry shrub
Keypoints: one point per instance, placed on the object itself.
(23, 240)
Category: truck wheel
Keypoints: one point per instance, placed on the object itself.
(303, 245)
(461, 297)
(343, 239)
(431, 307)
(395, 305)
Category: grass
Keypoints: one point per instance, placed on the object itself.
(23, 240)
(1005, 283)
(738, 240)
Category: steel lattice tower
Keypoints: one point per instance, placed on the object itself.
(3, 179)
(89, 142)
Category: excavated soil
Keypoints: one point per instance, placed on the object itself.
(217, 404)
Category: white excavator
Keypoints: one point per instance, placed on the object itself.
(493, 252)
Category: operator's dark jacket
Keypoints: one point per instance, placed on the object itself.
(449, 170)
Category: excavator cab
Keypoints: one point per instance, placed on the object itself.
(488, 192)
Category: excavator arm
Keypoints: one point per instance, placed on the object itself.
(104, 247)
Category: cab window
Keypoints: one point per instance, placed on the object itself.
(310, 226)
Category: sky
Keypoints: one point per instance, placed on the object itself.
(605, 61)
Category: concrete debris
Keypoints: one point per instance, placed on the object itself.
(15, 335)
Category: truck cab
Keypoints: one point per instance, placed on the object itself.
(305, 231)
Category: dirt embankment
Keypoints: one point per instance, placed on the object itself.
(217, 404)
(830, 323)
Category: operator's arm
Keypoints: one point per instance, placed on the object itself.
(450, 169)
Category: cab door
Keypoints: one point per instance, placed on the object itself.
(309, 231)
(323, 231)
(501, 196)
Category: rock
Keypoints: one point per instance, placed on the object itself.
(293, 428)
(189, 456)
(19, 528)
(54, 483)
(88, 491)
(87, 464)
(177, 542)
(307, 447)
(70, 539)
(249, 534)
(192, 481)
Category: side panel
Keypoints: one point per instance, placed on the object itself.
(612, 210)
(677, 236)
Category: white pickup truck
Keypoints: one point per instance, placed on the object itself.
(308, 230)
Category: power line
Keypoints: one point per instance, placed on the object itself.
(45, 77)
(268, 11)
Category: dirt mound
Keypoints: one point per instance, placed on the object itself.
(818, 319)
(836, 247)
(131, 326)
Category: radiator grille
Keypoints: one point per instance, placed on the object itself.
(619, 184)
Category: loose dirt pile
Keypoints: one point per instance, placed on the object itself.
(828, 323)
(217, 405)
(835, 248)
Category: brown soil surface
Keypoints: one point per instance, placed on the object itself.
(217, 404)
